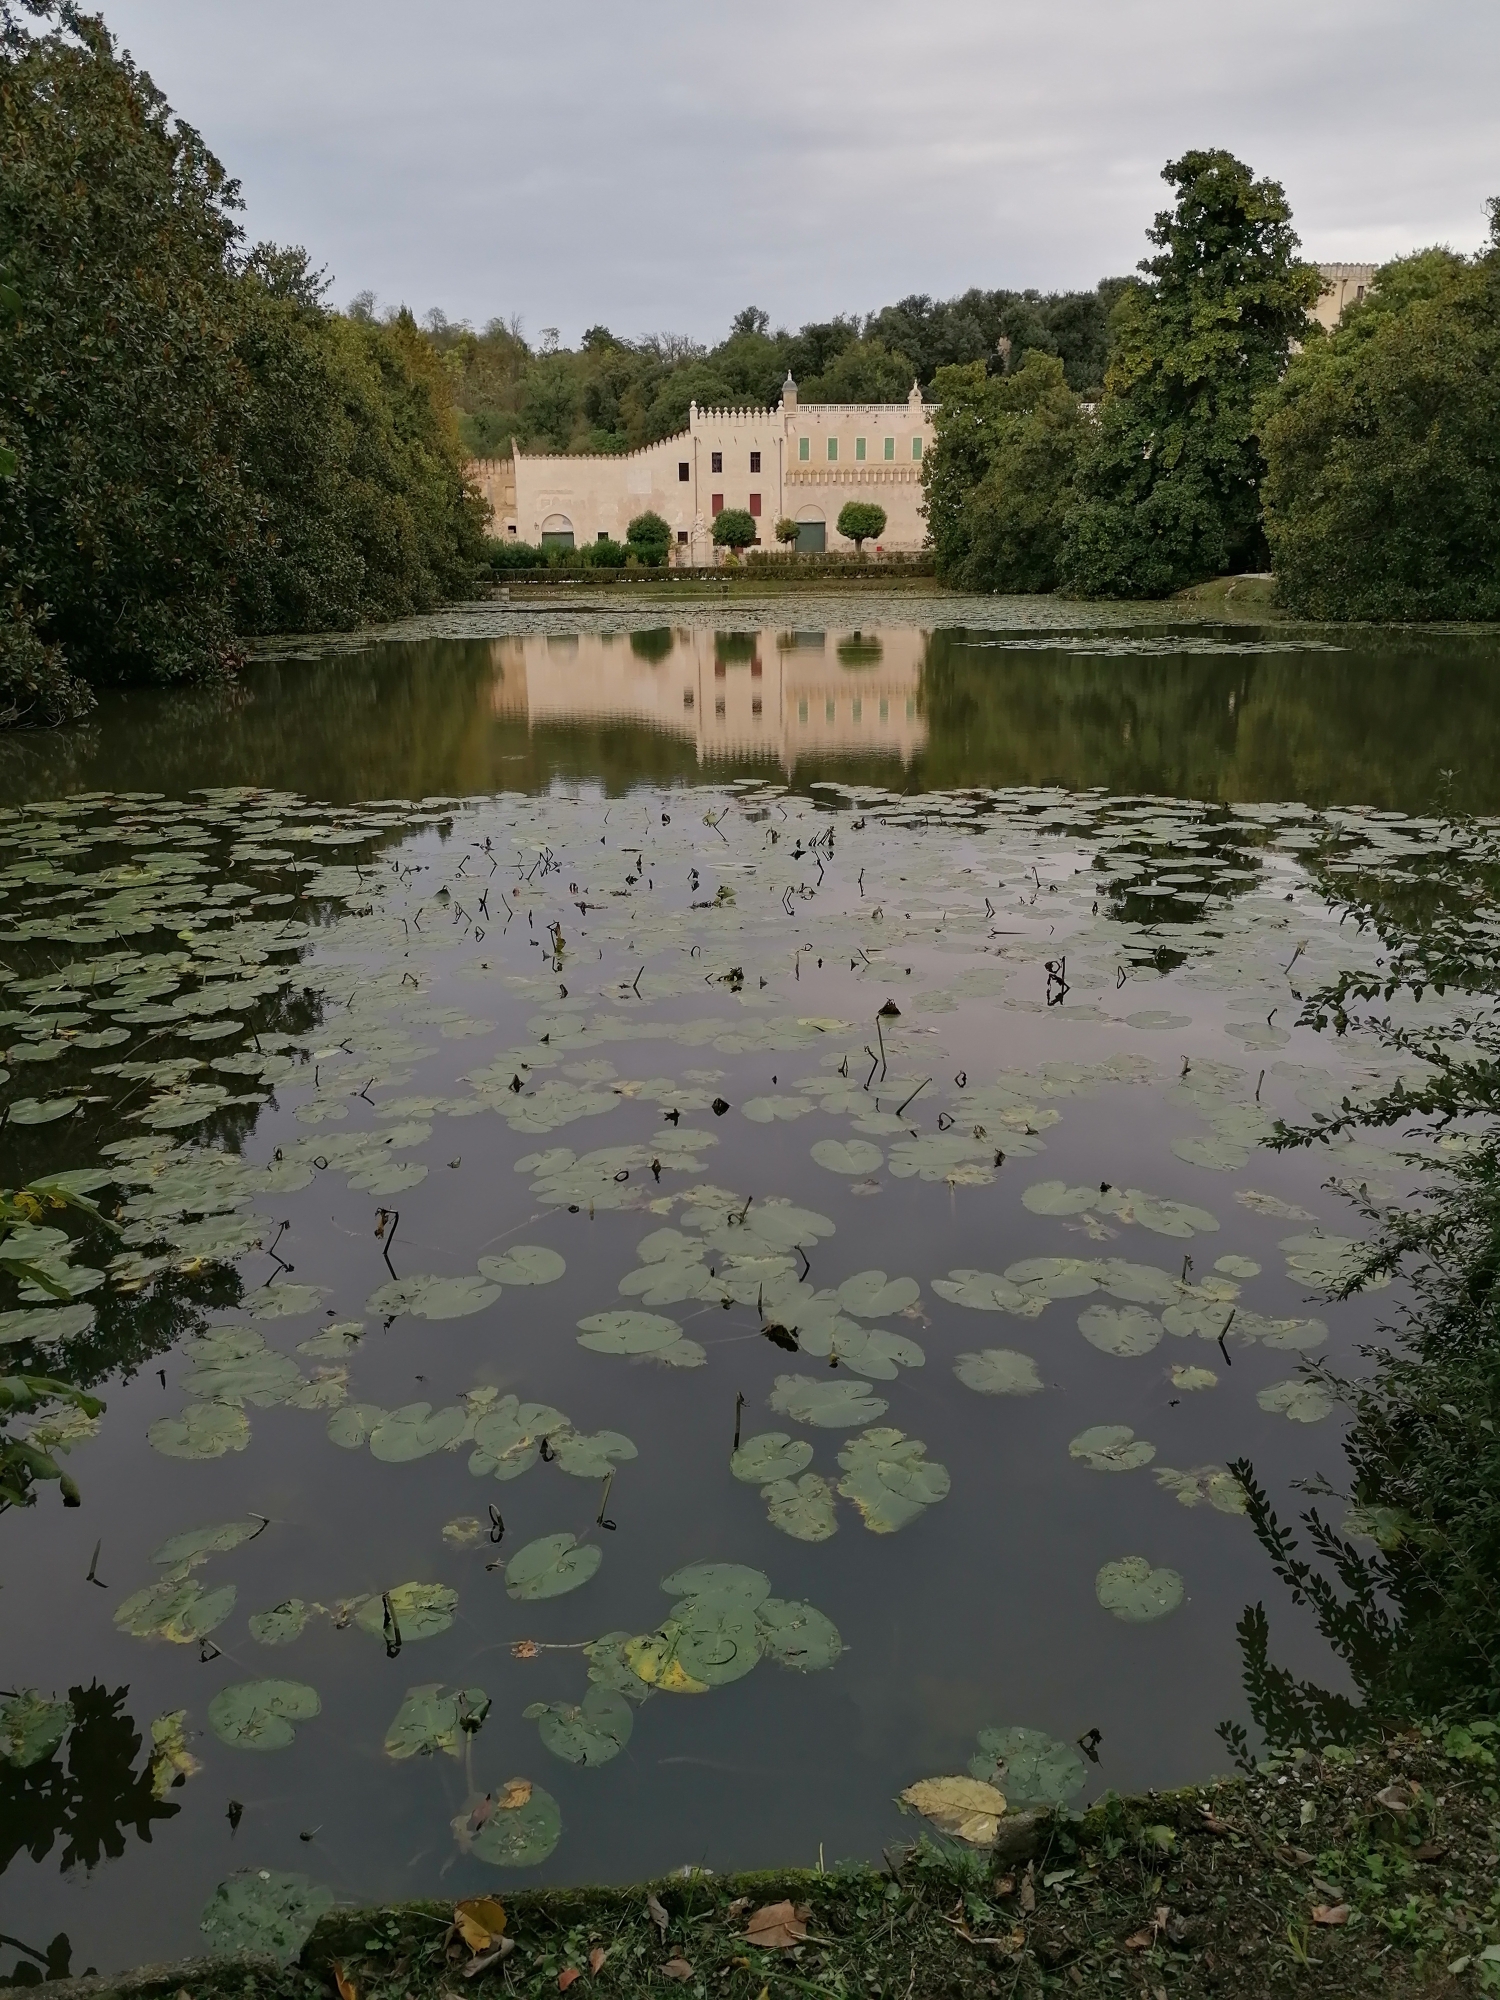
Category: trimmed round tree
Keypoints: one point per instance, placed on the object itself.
(861, 521)
(786, 531)
(649, 537)
(734, 528)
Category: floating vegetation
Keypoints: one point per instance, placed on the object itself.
(1111, 1448)
(890, 1479)
(31, 1727)
(551, 1566)
(591, 1732)
(1137, 1593)
(432, 1718)
(516, 1828)
(259, 1715)
(1033, 1769)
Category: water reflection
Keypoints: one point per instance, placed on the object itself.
(1377, 718)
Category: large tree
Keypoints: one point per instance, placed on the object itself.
(119, 387)
(1383, 449)
(1170, 492)
(999, 478)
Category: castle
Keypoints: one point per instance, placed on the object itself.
(799, 462)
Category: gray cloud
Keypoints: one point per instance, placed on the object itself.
(659, 167)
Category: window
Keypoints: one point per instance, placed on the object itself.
(802, 711)
(687, 697)
(684, 470)
(718, 505)
(604, 534)
(716, 462)
(833, 450)
(755, 461)
(885, 709)
(682, 536)
(719, 707)
(1359, 293)
(828, 711)
(756, 670)
(890, 447)
(804, 450)
(756, 705)
(721, 669)
(856, 710)
(916, 447)
(755, 506)
(859, 447)
(510, 527)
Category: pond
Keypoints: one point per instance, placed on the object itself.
(687, 1244)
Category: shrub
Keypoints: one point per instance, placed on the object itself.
(606, 555)
(503, 555)
(649, 537)
(786, 531)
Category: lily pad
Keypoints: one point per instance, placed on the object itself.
(258, 1715)
(44, 1323)
(1303, 1402)
(41, 1110)
(998, 1371)
(416, 1431)
(967, 1809)
(982, 1291)
(591, 1457)
(525, 1264)
(284, 1301)
(425, 1297)
(194, 1546)
(1111, 1448)
(773, 1455)
(890, 1480)
(1122, 1330)
(280, 1625)
(1237, 1267)
(871, 1295)
(1135, 1592)
(521, 1830)
(1138, 1284)
(830, 1404)
(728, 1583)
(1213, 1151)
(421, 1610)
(1213, 1483)
(1057, 1198)
(551, 1566)
(434, 1718)
(798, 1636)
(625, 1332)
(1187, 1377)
(847, 1156)
(31, 1728)
(180, 1611)
(802, 1508)
(508, 1436)
(264, 1910)
(233, 1365)
(595, 1730)
(1033, 1768)
(202, 1430)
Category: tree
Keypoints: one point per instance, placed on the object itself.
(786, 531)
(649, 537)
(1169, 494)
(999, 478)
(1383, 474)
(861, 521)
(734, 528)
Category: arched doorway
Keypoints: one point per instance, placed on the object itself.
(557, 532)
(812, 532)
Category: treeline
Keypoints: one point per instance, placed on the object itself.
(1234, 435)
(610, 394)
(195, 447)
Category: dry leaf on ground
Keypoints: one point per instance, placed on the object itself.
(596, 1959)
(967, 1808)
(677, 1968)
(566, 1977)
(776, 1927)
(658, 1914)
(347, 1988)
(488, 1958)
(1331, 1913)
(480, 1922)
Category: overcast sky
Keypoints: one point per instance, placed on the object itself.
(655, 167)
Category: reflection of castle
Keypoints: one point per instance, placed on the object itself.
(778, 695)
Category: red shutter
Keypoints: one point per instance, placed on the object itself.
(755, 506)
(718, 504)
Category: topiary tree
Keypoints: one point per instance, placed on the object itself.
(786, 531)
(734, 528)
(861, 521)
(649, 538)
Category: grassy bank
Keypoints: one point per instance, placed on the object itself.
(1355, 1872)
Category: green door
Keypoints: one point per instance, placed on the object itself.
(812, 538)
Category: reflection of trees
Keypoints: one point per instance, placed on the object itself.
(53, 1961)
(1377, 723)
(90, 1800)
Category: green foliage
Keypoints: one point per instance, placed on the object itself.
(999, 478)
(786, 531)
(201, 449)
(1169, 492)
(649, 537)
(861, 521)
(607, 555)
(1383, 485)
(734, 528)
(503, 555)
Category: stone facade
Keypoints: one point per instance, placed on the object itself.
(1343, 285)
(804, 462)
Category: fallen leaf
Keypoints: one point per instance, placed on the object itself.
(480, 1921)
(968, 1808)
(1395, 1798)
(739, 1904)
(658, 1914)
(1430, 1850)
(1213, 1824)
(1329, 1889)
(1005, 1885)
(596, 1959)
(566, 1977)
(517, 1792)
(1141, 1940)
(486, 1959)
(525, 1649)
(677, 1968)
(776, 1927)
(1331, 1913)
(1028, 1894)
(347, 1988)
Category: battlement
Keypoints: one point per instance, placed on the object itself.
(603, 457)
(747, 413)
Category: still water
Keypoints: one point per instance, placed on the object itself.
(582, 1105)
